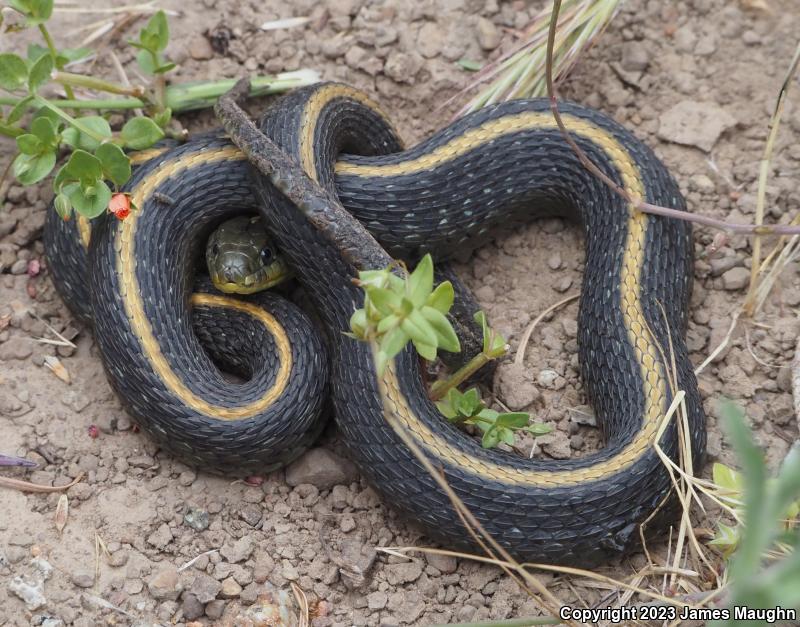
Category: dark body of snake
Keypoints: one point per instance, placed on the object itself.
(500, 165)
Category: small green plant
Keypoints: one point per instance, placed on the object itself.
(764, 569)
(467, 408)
(97, 161)
(398, 310)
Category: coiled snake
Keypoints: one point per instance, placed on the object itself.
(335, 149)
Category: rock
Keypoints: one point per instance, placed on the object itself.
(402, 67)
(31, 593)
(556, 445)
(344, 7)
(191, 607)
(166, 584)
(489, 36)
(692, 123)
(82, 579)
(205, 588)
(430, 40)
(359, 59)
(240, 550)
(515, 386)
(377, 600)
(200, 49)
(445, 564)
(405, 572)
(547, 378)
(736, 279)
(214, 609)
(321, 468)
(196, 518)
(16, 348)
(230, 588)
(635, 56)
(251, 514)
(161, 537)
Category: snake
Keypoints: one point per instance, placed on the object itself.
(338, 194)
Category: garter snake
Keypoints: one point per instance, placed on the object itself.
(502, 165)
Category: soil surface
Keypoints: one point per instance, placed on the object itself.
(695, 79)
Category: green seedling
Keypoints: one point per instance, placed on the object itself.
(96, 164)
(467, 408)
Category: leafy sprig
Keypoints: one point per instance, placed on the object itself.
(97, 164)
(398, 310)
(467, 408)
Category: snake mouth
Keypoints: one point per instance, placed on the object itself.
(252, 286)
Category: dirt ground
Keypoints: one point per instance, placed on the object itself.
(695, 79)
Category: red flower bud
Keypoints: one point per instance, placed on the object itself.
(120, 205)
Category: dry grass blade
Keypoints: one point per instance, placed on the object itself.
(194, 559)
(54, 365)
(763, 175)
(302, 603)
(288, 22)
(520, 73)
(62, 513)
(519, 359)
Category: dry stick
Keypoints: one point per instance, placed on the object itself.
(763, 175)
(638, 203)
(26, 486)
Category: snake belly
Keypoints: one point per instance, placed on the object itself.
(496, 166)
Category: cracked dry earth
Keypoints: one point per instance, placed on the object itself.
(695, 79)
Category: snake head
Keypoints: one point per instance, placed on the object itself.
(241, 259)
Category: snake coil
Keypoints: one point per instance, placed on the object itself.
(334, 149)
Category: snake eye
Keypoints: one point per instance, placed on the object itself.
(266, 255)
(215, 249)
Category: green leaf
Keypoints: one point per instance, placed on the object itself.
(40, 73)
(63, 206)
(420, 282)
(538, 428)
(427, 351)
(726, 477)
(30, 169)
(43, 129)
(470, 402)
(393, 342)
(13, 72)
(387, 323)
(162, 118)
(358, 323)
(163, 69)
(146, 62)
(115, 163)
(506, 435)
(442, 297)
(419, 330)
(85, 168)
(35, 52)
(469, 65)
(15, 115)
(70, 55)
(446, 336)
(78, 139)
(90, 205)
(491, 438)
(513, 420)
(155, 35)
(140, 133)
(727, 539)
(36, 11)
(384, 300)
(29, 144)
